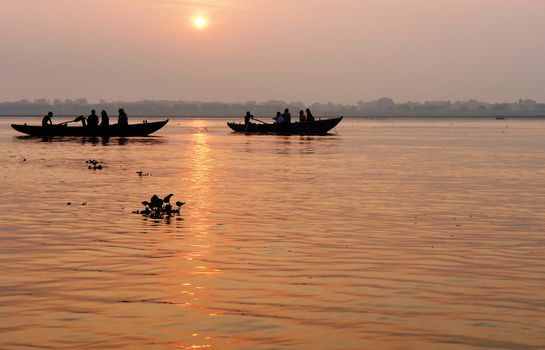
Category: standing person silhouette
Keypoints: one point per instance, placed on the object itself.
(247, 118)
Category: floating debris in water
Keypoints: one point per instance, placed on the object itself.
(141, 173)
(158, 208)
(94, 164)
(69, 203)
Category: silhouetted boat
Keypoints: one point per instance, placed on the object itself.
(142, 129)
(318, 127)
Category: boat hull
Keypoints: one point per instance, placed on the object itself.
(114, 130)
(318, 127)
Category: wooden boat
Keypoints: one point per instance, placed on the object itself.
(318, 127)
(143, 129)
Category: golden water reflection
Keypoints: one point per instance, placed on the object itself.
(418, 234)
(202, 199)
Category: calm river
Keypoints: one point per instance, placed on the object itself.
(391, 234)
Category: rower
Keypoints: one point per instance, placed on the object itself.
(46, 120)
(247, 118)
(81, 119)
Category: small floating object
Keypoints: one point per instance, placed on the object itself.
(156, 202)
(158, 208)
(94, 164)
(69, 203)
(167, 198)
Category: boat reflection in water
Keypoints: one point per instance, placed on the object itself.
(104, 140)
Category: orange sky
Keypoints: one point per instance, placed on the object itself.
(295, 50)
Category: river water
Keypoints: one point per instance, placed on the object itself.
(390, 234)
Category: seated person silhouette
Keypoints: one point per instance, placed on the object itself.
(46, 120)
(92, 120)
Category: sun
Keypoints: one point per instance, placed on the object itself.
(199, 22)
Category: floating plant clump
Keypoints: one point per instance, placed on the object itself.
(94, 164)
(158, 208)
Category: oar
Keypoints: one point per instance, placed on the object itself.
(64, 123)
(261, 121)
(71, 121)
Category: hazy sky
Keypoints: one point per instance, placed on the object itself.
(294, 50)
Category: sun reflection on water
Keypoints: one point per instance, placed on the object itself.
(201, 159)
(196, 286)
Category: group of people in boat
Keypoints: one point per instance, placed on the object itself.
(285, 118)
(92, 119)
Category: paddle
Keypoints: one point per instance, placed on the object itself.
(261, 121)
(72, 121)
(64, 123)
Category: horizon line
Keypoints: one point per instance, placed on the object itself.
(102, 101)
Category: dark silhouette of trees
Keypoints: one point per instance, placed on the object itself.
(383, 107)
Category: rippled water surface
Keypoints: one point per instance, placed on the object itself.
(391, 234)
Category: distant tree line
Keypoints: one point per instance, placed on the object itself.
(383, 107)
